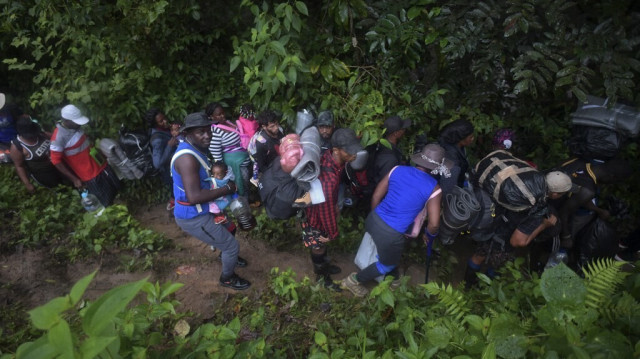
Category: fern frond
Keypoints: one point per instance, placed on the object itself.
(454, 300)
(602, 277)
(625, 306)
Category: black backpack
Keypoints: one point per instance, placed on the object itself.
(137, 147)
(278, 190)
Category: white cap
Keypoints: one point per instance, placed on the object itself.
(2, 100)
(72, 113)
(558, 182)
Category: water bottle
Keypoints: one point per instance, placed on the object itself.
(556, 258)
(242, 212)
(91, 203)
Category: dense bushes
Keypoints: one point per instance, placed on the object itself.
(54, 218)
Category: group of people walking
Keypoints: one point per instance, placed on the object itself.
(208, 158)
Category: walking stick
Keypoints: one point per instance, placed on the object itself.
(427, 260)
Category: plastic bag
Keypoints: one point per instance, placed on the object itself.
(598, 239)
(594, 142)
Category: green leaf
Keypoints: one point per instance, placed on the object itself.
(169, 288)
(101, 313)
(562, 285)
(80, 287)
(46, 316)
(475, 321)
(280, 76)
(235, 61)
(278, 48)
(414, 12)
(387, 298)
(226, 334)
(489, 351)
(563, 81)
(293, 74)
(302, 7)
(60, 337)
(439, 337)
(566, 71)
(579, 352)
(40, 349)
(582, 97)
(93, 346)
(320, 338)
(253, 89)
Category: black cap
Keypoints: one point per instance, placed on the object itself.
(346, 139)
(395, 123)
(325, 118)
(196, 119)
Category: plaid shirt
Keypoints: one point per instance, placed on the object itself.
(324, 216)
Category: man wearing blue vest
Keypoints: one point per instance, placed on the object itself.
(190, 169)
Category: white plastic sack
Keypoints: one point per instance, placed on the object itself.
(367, 254)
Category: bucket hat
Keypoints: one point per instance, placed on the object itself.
(196, 119)
(432, 158)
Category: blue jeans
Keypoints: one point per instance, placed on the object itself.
(204, 228)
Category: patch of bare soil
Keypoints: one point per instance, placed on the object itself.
(34, 277)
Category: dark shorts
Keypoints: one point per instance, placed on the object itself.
(105, 186)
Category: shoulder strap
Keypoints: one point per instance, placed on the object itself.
(390, 172)
(225, 127)
(185, 151)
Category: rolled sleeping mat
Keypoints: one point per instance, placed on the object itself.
(459, 211)
(308, 169)
(118, 159)
(304, 119)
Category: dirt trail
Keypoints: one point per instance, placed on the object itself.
(34, 278)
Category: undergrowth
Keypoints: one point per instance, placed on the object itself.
(518, 315)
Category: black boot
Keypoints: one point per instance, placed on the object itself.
(470, 277)
(323, 260)
(323, 274)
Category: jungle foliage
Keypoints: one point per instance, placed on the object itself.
(518, 315)
(523, 64)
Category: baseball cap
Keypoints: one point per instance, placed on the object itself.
(72, 113)
(325, 118)
(395, 123)
(346, 139)
(558, 182)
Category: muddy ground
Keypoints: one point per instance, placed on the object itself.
(34, 277)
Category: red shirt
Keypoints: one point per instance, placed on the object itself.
(324, 216)
(73, 148)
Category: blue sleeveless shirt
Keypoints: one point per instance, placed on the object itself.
(183, 211)
(409, 190)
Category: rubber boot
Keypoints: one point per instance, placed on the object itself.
(322, 259)
(323, 274)
(470, 277)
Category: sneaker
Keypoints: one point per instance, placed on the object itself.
(240, 262)
(355, 287)
(171, 205)
(235, 282)
(395, 284)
